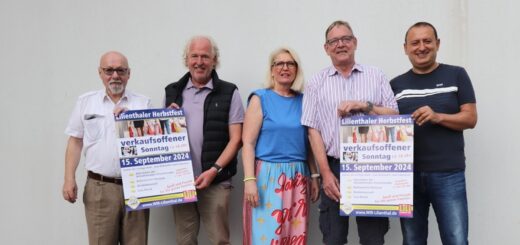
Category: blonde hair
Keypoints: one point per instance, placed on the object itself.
(298, 82)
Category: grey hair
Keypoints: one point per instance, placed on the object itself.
(338, 23)
(214, 49)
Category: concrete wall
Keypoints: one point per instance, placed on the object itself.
(49, 53)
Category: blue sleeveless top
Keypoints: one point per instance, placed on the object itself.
(282, 138)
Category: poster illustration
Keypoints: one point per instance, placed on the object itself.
(155, 158)
(376, 166)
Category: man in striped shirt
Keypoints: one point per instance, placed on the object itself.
(344, 89)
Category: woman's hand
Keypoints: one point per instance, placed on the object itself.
(315, 189)
(251, 193)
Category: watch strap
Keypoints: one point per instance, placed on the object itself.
(369, 108)
(217, 167)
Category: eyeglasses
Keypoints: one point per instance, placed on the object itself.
(197, 56)
(343, 39)
(281, 64)
(109, 71)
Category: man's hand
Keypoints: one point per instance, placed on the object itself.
(347, 107)
(118, 110)
(425, 114)
(70, 191)
(72, 156)
(174, 106)
(204, 180)
(331, 186)
(315, 189)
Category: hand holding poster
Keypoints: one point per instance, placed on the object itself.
(376, 172)
(155, 158)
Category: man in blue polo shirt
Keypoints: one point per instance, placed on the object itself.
(442, 102)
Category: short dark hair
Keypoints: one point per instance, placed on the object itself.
(421, 24)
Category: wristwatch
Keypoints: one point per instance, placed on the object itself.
(369, 108)
(217, 167)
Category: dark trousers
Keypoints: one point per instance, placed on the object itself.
(334, 227)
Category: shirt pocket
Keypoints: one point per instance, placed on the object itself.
(94, 127)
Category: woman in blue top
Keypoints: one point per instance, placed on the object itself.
(277, 177)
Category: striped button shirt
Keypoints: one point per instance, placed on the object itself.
(327, 89)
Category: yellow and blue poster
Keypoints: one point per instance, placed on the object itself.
(155, 158)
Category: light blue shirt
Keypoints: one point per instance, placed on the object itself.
(282, 138)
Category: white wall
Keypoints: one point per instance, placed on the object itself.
(49, 53)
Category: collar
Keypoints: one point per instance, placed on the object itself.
(208, 85)
(183, 82)
(105, 97)
(332, 71)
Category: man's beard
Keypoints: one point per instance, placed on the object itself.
(116, 87)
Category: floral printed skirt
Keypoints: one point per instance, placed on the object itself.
(282, 216)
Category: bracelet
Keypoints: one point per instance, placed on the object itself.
(315, 175)
(249, 178)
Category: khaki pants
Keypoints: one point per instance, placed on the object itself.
(212, 208)
(107, 220)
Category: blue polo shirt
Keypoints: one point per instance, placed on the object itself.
(436, 148)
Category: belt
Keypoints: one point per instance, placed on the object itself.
(332, 159)
(100, 177)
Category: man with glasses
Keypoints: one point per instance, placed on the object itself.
(92, 128)
(214, 116)
(344, 89)
(442, 102)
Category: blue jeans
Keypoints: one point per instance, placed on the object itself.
(446, 191)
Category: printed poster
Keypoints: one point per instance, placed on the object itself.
(376, 166)
(155, 158)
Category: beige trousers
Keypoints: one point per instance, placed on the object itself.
(212, 208)
(107, 220)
